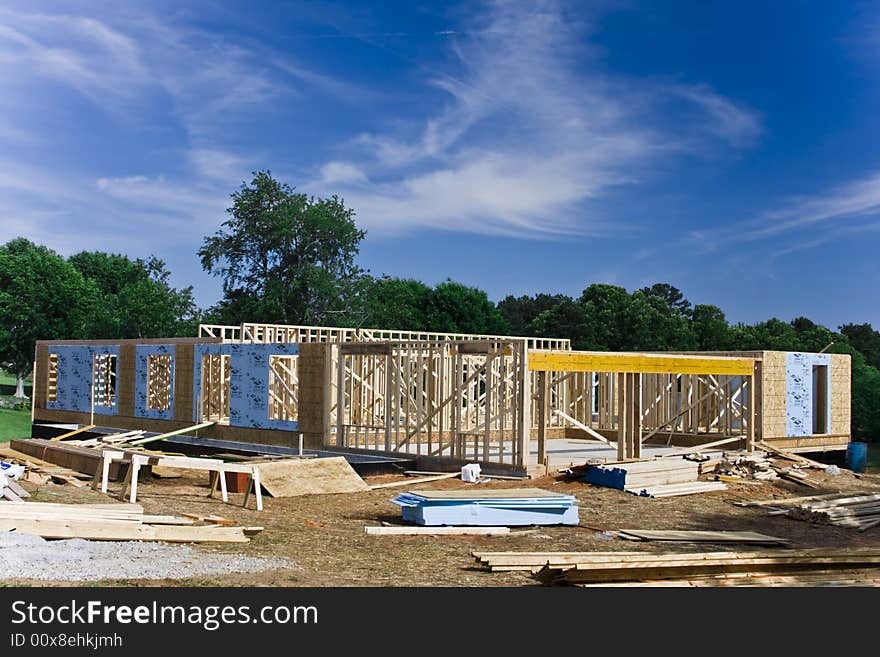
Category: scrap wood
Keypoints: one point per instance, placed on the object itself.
(170, 434)
(797, 458)
(217, 520)
(784, 501)
(797, 477)
(73, 433)
(422, 480)
(700, 536)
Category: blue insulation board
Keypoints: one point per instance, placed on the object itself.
(605, 476)
(489, 512)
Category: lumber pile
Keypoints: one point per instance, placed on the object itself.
(488, 508)
(643, 474)
(620, 567)
(857, 511)
(746, 466)
(112, 522)
(38, 471)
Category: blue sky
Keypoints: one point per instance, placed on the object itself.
(727, 148)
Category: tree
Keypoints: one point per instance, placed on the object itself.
(456, 308)
(137, 300)
(520, 312)
(864, 338)
(42, 297)
(567, 319)
(608, 308)
(395, 303)
(711, 330)
(284, 257)
(671, 296)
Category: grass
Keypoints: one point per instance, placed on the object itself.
(14, 424)
(8, 379)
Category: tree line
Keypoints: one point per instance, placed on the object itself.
(288, 258)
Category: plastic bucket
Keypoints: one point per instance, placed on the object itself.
(857, 456)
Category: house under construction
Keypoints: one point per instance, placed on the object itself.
(441, 397)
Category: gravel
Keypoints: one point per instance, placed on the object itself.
(27, 556)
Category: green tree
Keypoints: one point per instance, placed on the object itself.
(710, 327)
(671, 296)
(395, 303)
(42, 297)
(284, 257)
(566, 319)
(520, 312)
(456, 308)
(864, 338)
(608, 307)
(137, 300)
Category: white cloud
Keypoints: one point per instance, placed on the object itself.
(531, 129)
(342, 172)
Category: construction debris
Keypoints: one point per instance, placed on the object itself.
(857, 511)
(745, 466)
(488, 508)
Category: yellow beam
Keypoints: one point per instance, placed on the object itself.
(573, 361)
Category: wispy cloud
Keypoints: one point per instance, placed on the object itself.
(821, 217)
(532, 128)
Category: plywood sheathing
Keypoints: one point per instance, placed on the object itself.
(841, 393)
(125, 379)
(183, 383)
(773, 395)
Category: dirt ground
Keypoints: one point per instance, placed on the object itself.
(324, 534)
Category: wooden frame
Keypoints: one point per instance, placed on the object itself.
(159, 368)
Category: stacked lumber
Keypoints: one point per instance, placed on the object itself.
(811, 579)
(643, 474)
(609, 567)
(112, 522)
(488, 508)
(858, 511)
(673, 490)
(38, 471)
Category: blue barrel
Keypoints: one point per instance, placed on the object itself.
(857, 456)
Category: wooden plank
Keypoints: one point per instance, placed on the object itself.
(574, 361)
(583, 427)
(111, 530)
(436, 531)
(700, 536)
(170, 434)
(697, 448)
(412, 482)
(72, 433)
(294, 477)
(785, 501)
